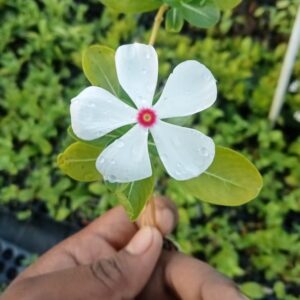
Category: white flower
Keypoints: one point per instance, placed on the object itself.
(185, 152)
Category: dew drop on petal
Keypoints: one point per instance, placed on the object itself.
(102, 160)
(204, 152)
(112, 162)
(178, 173)
(179, 165)
(176, 142)
(111, 178)
(120, 144)
(91, 105)
(148, 56)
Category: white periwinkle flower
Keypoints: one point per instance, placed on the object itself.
(185, 152)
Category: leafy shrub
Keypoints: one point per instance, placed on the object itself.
(40, 70)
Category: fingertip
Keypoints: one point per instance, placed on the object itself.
(144, 239)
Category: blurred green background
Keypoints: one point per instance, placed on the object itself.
(41, 43)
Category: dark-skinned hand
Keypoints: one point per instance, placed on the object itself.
(114, 259)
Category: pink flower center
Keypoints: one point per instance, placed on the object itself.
(146, 117)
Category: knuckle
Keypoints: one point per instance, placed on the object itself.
(110, 273)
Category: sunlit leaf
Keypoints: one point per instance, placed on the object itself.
(132, 6)
(231, 180)
(227, 4)
(79, 162)
(201, 15)
(99, 67)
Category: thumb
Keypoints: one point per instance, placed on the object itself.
(121, 276)
(124, 275)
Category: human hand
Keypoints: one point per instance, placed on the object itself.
(113, 259)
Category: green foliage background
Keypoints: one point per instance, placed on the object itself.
(40, 71)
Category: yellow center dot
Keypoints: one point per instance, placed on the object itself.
(147, 117)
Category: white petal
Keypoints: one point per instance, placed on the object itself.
(126, 159)
(137, 69)
(95, 112)
(185, 152)
(190, 88)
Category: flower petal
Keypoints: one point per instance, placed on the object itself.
(126, 159)
(137, 69)
(185, 152)
(95, 112)
(190, 88)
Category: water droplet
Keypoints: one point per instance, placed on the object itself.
(207, 77)
(135, 151)
(102, 160)
(148, 56)
(176, 142)
(149, 88)
(204, 151)
(178, 173)
(163, 156)
(112, 162)
(144, 71)
(120, 144)
(179, 165)
(111, 178)
(91, 105)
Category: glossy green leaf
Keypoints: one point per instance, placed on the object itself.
(227, 4)
(99, 67)
(201, 15)
(79, 162)
(103, 141)
(231, 180)
(174, 20)
(132, 6)
(136, 195)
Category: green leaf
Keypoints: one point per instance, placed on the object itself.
(227, 4)
(231, 180)
(136, 195)
(79, 162)
(253, 290)
(201, 15)
(103, 141)
(99, 68)
(174, 20)
(132, 6)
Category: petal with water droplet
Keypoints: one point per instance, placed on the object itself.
(189, 159)
(95, 112)
(137, 69)
(190, 88)
(130, 156)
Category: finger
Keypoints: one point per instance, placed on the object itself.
(121, 276)
(187, 278)
(101, 238)
(166, 215)
(203, 281)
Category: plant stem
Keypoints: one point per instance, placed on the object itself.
(157, 22)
